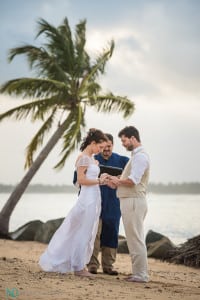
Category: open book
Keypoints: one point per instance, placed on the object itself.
(114, 171)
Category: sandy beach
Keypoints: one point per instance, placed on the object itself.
(21, 278)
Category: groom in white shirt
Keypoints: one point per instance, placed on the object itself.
(131, 190)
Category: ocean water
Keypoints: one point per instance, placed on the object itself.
(176, 216)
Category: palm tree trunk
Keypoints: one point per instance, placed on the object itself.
(20, 188)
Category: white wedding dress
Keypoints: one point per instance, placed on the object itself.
(71, 246)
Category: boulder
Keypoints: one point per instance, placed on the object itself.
(160, 249)
(122, 245)
(26, 232)
(46, 231)
(153, 236)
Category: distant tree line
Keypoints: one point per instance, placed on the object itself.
(175, 188)
(41, 188)
(158, 188)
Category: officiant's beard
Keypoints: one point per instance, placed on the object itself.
(106, 154)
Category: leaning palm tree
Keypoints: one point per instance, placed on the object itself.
(65, 85)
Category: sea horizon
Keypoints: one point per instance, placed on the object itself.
(159, 188)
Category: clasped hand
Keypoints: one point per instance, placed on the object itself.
(111, 181)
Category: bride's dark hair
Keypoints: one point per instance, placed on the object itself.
(93, 135)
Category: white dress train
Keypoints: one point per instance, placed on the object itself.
(71, 246)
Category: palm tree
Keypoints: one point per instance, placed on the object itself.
(65, 85)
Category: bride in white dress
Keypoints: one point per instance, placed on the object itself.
(72, 244)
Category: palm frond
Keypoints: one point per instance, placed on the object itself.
(72, 135)
(60, 43)
(104, 57)
(44, 63)
(112, 103)
(33, 87)
(82, 60)
(32, 53)
(97, 68)
(68, 47)
(93, 89)
(80, 38)
(38, 139)
(19, 112)
(46, 27)
(36, 110)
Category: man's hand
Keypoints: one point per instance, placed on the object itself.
(110, 184)
(115, 180)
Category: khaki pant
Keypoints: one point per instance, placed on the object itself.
(108, 255)
(133, 212)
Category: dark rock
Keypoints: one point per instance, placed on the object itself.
(26, 232)
(122, 246)
(46, 231)
(160, 249)
(153, 236)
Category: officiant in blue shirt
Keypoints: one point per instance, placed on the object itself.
(108, 230)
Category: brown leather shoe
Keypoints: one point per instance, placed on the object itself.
(110, 272)
(92, 270)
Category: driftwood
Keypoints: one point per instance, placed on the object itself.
(187, 254)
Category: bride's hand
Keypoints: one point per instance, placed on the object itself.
(106, 179)
(104, 176)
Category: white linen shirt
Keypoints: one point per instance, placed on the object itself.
(139, 164)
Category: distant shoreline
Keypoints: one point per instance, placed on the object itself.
(157, 188)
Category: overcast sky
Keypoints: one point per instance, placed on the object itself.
(155, 63)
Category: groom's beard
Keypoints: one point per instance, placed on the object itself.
(130, 147)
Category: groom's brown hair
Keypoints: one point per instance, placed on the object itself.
(130, 131)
